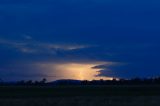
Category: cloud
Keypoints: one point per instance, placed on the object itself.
(132, 61)
(52, 70)
(130, 70)
(28, 37)
(123, 61)
(40, 47)
(125, 33)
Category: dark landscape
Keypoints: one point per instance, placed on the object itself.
(79, 52)
(82, 93)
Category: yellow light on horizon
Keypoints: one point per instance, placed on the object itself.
(79, 71)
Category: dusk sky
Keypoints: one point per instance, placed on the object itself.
(79, 39)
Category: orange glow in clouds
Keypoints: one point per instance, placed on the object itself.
(79, 71)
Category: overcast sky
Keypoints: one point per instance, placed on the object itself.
(119, 38)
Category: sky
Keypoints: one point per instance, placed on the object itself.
(79, 39)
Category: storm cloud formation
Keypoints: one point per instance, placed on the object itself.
(123, 35)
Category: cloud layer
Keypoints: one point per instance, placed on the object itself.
(123, 33)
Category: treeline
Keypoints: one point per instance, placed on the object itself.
(134, 81)
(23, 82)
(43, 82)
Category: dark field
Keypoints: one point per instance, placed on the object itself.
(84, 101)
(139, 95)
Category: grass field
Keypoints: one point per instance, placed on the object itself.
(141, 95)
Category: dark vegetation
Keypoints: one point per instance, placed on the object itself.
(136, 87)
(84, 101)
(43, 82)
(122, 92)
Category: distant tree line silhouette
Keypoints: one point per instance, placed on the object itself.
(23, 82)
(134, 81)
(30, 82)
(43, 82)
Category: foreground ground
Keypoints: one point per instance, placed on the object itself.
(135, 95)
(84, 101)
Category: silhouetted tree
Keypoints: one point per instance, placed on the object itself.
(22, 82)
(30, 82)
(43, 81)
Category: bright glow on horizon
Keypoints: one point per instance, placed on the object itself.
(78, 71)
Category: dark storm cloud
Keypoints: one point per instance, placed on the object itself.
(122, 32)
(135, 62)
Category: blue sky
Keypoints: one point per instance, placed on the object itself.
(119, 38)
